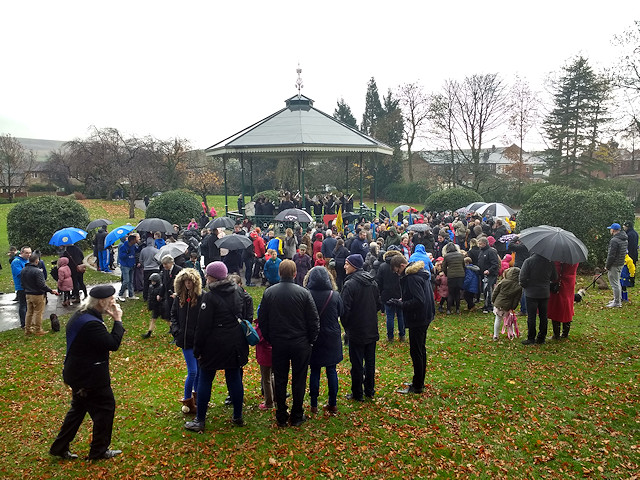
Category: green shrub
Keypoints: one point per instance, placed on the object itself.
(175, 206)
(451, 199)
(415, 192)
(273, 195)
(586, 213)
(39, 187)
(33, 221)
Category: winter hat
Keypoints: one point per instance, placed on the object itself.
(253, 235)
(102, 291)
(217, 270)
(507, 258)
(318, 236)
(491, 240)
(355, 261)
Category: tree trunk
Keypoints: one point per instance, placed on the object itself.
(132, 206)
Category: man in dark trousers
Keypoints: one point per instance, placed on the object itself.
(289, 321)
(362, 302)
(418, 309)
(86, 371)
(489, 264)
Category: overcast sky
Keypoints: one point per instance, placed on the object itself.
(203, 70)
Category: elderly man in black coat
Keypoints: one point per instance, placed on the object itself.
(86, 371)
(536, 275)
(289, 321)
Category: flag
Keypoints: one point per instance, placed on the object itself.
(339, 222)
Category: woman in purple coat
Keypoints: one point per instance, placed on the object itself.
(303, 264)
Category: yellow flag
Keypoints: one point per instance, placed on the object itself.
(339, 222)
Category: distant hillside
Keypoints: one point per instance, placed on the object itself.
(41, 147)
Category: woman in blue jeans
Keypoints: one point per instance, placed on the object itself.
(184, 318)
(219, 343)
(327, 350)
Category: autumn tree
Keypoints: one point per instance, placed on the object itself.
(575, 123)
(414, 105)
(16, 164)
(344, 114)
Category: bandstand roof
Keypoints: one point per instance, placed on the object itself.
(299, 127)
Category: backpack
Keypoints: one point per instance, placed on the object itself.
(54, 273)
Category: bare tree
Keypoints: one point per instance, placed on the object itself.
(173, 161)
(201, 178)
(16, 164)
(415, 112)
(523, 111)
(628, 72)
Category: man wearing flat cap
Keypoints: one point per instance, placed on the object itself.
(86, 371)
(362, 302)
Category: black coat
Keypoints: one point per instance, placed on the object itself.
(521, 251)
(288, 315)
(362, 302)
(87, 362)
(32, 280)
(184, 320)
(168, 277)
(418, 306)
(388, 282)
(632, 246)
(219, 342)
(535, 276)
(488, 260)
(327, 349)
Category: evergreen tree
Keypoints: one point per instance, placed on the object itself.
(372, 110)
(389, 130)
(344, 114)
(575, 124)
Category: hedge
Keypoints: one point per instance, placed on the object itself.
(415, 193)
(175, 206)
(586, 213)
(273, 195)
(451, 199)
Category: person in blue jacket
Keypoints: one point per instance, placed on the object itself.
(271, 267)
(420, 255)
(127, 260)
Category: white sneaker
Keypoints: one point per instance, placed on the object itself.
(611, 304)
(121, 299)
(133, 298)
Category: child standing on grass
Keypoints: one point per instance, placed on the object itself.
(471, 282)
(65, 282)
(263, 356)
(442, 286)
(505, 298)
(154, 305)
(627, 276)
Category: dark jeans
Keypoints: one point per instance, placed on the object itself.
(314, 384)
(233, 376)
(248, 265)
(145, 290)
(22, 307)
(455, 287)
(296, 356)
(101, 406)
(537, 306)
(488, 291)
(418, 352)
(469, 297)
(359, 354)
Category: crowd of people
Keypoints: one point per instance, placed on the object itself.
(321, 280)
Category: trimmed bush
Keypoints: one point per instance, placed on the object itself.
(409, 193)
(175, 206)
(273, 195)
(451, 199)
(585, 213)
(33, 221)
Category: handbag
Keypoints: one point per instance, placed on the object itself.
(554, 287)
(250, 334)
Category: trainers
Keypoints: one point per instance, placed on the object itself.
(121, 299)
(195, 426)
(528, 342)
(133, 298)
(263, 407)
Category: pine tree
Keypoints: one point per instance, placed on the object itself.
(575, 124)
(344, 114)
(372, 110)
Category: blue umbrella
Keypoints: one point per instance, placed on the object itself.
(116, 234)
(67, 236)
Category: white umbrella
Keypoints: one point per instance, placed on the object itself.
(495, 210)
(174, 249)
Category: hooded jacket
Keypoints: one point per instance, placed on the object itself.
(148, 256)
(219, 341)
(617, 249)
(184, 318)
(65, 280)
(392, 238)
(327, 349)
(488, 260)
(388, 282)
(535, 276)
(418, 307)
(288, 315)
(420, 255)
(506, 294)
(453, 264)
(361, 300)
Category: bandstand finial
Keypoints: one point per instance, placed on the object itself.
(299, 80)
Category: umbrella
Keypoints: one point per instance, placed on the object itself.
(294, 215)
(349, 216)
(463, 210)
(175, 249)
(472, 207)
(234, 242)
(507, 238)
(220, 222)
(67, 236)
(555, 244)
(401, 208)
(154, 225)
(419, 227)
(495, 210)
(100, 222)
(116, 234)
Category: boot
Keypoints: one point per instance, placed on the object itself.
(190, 405)
(625, 296)
(565, 329)
(556, 329)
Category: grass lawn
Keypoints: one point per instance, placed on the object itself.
(491, 410)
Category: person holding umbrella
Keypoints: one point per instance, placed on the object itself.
(536, 275)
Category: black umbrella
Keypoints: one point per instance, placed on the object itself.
(154, 225)
(294, 215)
(349, 216)
(234, 242)
(221, 222)
(100, 222)
(555, 244)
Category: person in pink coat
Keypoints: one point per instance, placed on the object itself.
(504, 265)
(263, 356)
(560, 309)
(65, 282)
